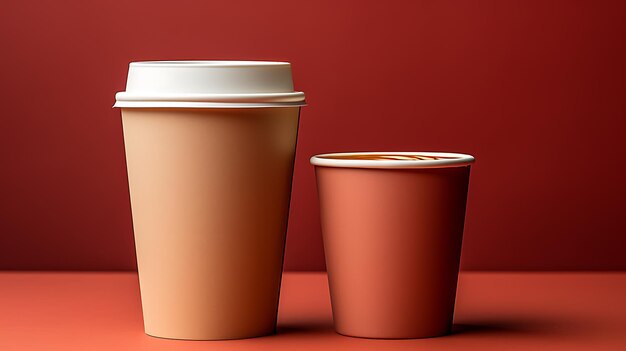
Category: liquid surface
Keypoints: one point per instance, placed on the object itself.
(388, 157)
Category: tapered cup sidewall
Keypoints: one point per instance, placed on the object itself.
(210, 192)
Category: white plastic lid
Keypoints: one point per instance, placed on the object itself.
(393, 160)
(209, 84)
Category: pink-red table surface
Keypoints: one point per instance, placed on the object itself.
(495, 311)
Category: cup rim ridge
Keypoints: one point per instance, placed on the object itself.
(450, 159)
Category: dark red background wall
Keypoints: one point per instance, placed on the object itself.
(536, 90)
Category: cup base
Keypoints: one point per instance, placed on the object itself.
(209, 338)
(394, 337)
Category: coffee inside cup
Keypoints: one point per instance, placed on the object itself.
(385, 157)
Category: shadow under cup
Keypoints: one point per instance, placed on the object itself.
(392, 226)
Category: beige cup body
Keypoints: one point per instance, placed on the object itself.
(392, 239)
(210, 191)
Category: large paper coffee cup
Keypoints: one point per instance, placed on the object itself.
(392, 225)
(210, 148)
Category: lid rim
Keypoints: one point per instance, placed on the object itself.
(212, 97)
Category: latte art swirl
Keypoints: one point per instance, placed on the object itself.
(386, 157)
